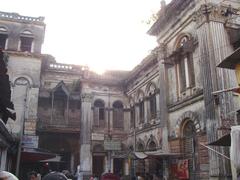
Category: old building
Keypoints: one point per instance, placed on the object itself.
(190, 47)
(60, 110)
(21, 38)
(156, 119)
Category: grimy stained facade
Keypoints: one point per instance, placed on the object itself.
(166, 107)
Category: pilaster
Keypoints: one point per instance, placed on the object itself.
(163, 96)
(214, 46)
(85, 137)
(146, 110)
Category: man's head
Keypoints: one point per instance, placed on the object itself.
(4, 175)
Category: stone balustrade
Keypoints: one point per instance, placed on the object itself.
(17, 17)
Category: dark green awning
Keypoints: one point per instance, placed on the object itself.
(223, 141)
(231, 61)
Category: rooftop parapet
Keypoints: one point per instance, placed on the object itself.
(19, 18)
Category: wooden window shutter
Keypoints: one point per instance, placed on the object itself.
(153, 106)
(132, 120)
(182, 75)
(115, 118)
(102, 117)
(120, 120)
(191, 70)
(141, 111)
(96, 116)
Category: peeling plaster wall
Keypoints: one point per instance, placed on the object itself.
(24, 97)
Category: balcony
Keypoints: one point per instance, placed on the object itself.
(58, 124)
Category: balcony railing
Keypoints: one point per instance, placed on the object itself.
(60, 125)
(17, 17)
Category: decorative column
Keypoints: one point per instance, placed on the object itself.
(214, 46)
(163, 96)
(85, 137)
(163, 103)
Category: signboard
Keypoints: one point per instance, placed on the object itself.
(111, 145)
(182, 169)
(97, 137)
(30, 141)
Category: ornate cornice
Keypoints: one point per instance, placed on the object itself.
(213, 12)
(161, 51)
(23, 19)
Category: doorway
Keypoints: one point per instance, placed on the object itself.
(118, 166)
(98, 165)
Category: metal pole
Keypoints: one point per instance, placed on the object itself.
(215, 151)
(109, 136)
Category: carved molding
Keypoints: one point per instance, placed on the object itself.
(86, 97)
(161, 51)
(188, 115)
(212, 12)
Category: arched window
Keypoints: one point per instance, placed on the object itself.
(59, 104)
(141, 106)
(141, 111)
(99, 114)
(152, 146)
(189, 145)
(118, 116)
(153, 109)
(185, 67)
(26, 41)
(132, 113)
(140, 147)
(132, 116)
(3, 37)
(151, 91)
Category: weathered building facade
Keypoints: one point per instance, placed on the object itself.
(165, 108)
(21, 38)
(190, 47)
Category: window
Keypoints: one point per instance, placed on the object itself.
(153, 110)
(3, 39)
(118, 114)
(99, 114)
(141, 111)
(185, 67)
(132, 120)
(140, 147)
(60, 101)
(186, 74)
(152, 146)
(26, 44)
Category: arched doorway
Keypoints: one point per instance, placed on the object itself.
(189, 146)
(140, 163)
(152, 165)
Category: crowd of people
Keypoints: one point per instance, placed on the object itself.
(66, 175)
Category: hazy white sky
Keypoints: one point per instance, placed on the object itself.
(103, 34)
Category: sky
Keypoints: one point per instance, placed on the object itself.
(102, 34)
